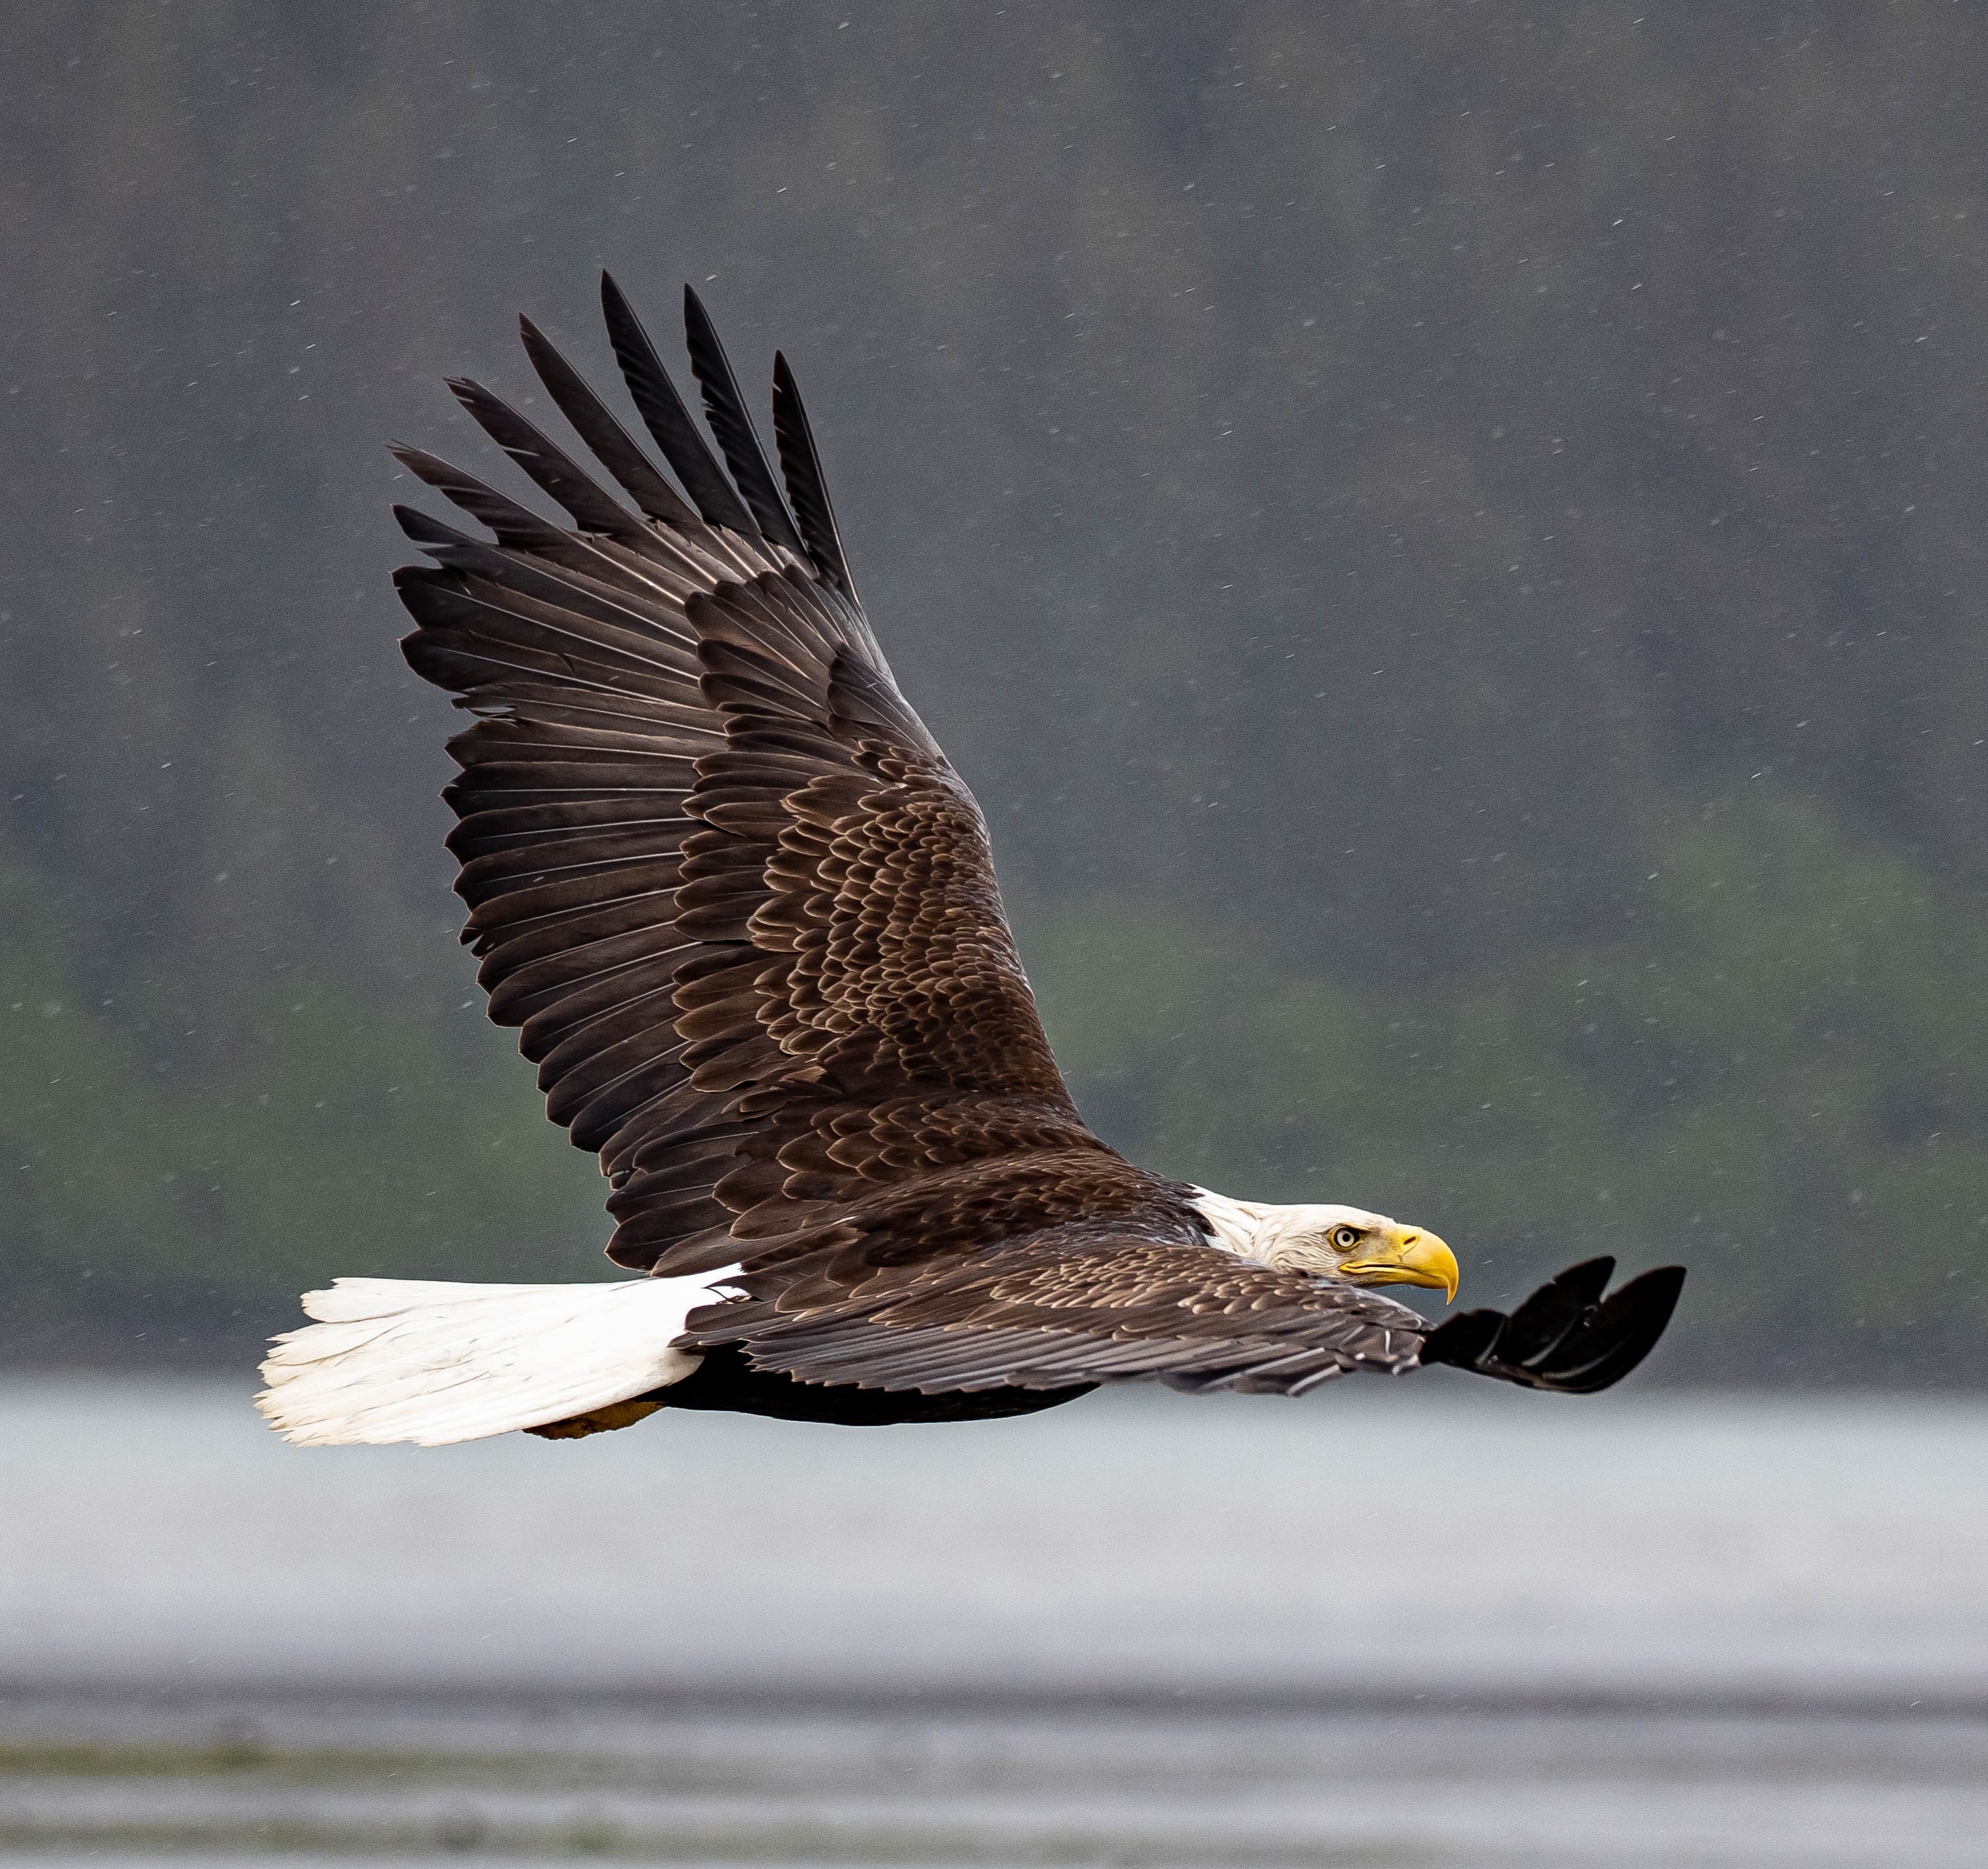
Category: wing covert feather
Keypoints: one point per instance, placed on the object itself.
(1077, 1305)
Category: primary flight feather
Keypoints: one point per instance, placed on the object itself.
(744, 914)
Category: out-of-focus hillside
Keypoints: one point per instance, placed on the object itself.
(1448, 542)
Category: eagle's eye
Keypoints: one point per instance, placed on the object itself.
(1346, 1237)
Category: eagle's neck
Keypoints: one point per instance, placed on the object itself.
(1235, 1223)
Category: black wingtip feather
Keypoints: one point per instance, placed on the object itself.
(807, 487)
(724, 409)
(513, 525)
(595, 424)
(592, 509)
(666, 418)
(1535, 1330)
(1565, 1337)
(1634, 1318)
(424, 529)
(1462, 1339)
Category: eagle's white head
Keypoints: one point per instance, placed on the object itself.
(1337, 1242)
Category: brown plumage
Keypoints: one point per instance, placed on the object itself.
(744, 914)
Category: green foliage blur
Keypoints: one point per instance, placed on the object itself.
(156, 1211)
(1446, 541)
(1773, 1074)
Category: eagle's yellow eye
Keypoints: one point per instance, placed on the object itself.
(1346, 1237)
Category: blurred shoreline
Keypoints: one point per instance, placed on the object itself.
(851, 1784)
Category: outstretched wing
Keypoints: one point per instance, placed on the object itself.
(1087, 1305)
(741, 908)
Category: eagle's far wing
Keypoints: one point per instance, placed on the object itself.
(1573, 1335)
(1087, 1305)
(741, 907)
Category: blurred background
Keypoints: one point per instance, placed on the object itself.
(1448, 542)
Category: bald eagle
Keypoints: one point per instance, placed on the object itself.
(743, 913)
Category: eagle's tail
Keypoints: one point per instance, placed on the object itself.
(409, 1360)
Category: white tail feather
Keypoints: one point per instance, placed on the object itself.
(415, 1360)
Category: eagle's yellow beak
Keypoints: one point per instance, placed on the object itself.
(1409, 1256)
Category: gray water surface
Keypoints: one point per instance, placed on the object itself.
(1416, 1625)
(1390, 1537)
